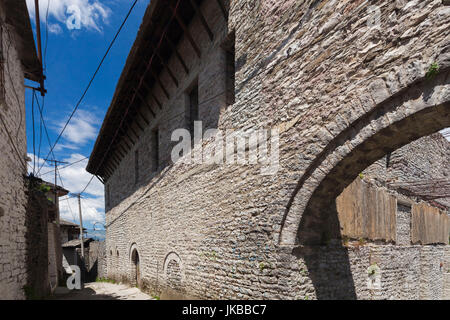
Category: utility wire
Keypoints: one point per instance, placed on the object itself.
(128, 107)
(68, 202)
(45, 126)
(40, 131)
(13, 143)
(12, 82)
(90, 82)
(66, 166)
(34, 136)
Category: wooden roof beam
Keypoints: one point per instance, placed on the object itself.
(150, 91)
(146, 104)
(169, 71)
(160, 84)
(177, 54)
(202, 20)
(124, 134)
(222, 9)
(187, 33)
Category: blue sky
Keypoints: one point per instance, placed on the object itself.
(79, 32)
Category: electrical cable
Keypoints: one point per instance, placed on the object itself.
(91, 81)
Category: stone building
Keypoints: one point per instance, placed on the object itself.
(18, 60)
(69, 231)
(44, 254)
(338, 85)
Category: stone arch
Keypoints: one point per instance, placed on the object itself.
(419, 110)
(135, 265)
(174, 271)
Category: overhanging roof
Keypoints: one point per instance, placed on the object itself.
(17, 16)
(123, 107)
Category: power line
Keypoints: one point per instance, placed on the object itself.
(92, 178)
(43, 122)
(34, 138)
(90, 82)
(13, 143)
(10, 78)
(69, 165)
(40, 131)
(68, 202)
(140, 83)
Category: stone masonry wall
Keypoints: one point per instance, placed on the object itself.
(403, 225)
(425, 158)
(12, 194)
(302, 66)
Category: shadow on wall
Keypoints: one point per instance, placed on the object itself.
(328, 264)
(36, 239)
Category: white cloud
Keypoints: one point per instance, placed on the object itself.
(74, 179)
(81, 129)
(54, 28)
(74, 14)
(92, 210)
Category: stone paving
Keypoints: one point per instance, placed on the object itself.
(101, 291)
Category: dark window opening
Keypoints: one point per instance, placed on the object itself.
(155, 153)
(108, 195)
(230, 68)
(136, 166)
(193, 109)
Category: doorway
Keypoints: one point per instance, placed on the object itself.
(136, 274)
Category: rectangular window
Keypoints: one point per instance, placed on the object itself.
(155, 150)
(136, 166)
(388, 160)
(193, 108)
(108, 196)
(230, 68)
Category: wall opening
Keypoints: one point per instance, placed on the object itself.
(193, 108)
(230, 67)
(136, 166)
(136, 270)
(155, 153)
(413, 113)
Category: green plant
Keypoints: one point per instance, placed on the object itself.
(432, 71)
(44, 188)
(105, 280)
(262, 266)
(303, 272)
(373, 269)
(29, 292)
(362, 241)
(156, 297)
(361, 175)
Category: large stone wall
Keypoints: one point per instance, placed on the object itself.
(97, 260)
(423, 159)
(37, 236)
(12, 168)
(309, 68)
